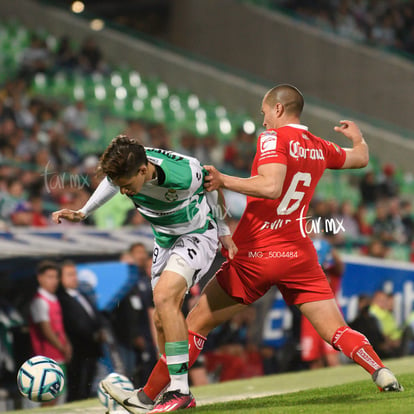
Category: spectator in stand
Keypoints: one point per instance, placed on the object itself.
(376, 248)
(39, 219)
(383, 228)
(364, 226)
(388, 185)
(349, 221)
(75, 120)
(83, 326)
(383, 32)
(36, 58)
(369, 188)
(22, 216)
(136, 129)
(159, 137)
(209, 151)
(90, 58)
(65, 58)
(47, 331)
(395, 218)
(188, 143)
(239, 154)
(407, 219)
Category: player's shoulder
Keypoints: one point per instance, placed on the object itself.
(267, 140)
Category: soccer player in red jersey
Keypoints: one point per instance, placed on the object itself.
(274, 248)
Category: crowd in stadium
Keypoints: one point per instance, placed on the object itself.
(381, 23)
(39, 158)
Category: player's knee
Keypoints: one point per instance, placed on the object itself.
(161, 299)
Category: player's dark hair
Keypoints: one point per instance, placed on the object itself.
(123, 158)
(289, 96)
(46, 265)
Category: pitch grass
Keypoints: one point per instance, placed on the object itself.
(345, 389)
(357, 397)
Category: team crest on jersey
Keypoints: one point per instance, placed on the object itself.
(171, 195)
(268, 141)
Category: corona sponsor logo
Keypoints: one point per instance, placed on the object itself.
(297, 151)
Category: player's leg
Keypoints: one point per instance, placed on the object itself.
(194, 254)
(311, 351)
(214, 307)
(330, 324)
(168, 296)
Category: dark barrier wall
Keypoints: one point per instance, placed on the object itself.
(276, 48)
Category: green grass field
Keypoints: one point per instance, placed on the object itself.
(344, 389)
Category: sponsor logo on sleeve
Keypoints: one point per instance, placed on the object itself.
(268, 141)
(338, 149)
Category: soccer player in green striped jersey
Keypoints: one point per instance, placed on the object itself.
(167, 188)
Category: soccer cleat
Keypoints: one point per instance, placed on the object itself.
(386, 381)
(130, 400)
(173, 401)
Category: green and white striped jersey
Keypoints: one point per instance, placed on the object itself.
(174, 203)
(178, 205)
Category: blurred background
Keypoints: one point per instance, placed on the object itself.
(189, 76)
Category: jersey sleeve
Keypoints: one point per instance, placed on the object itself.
(103, 193)
(271, 148)
(335, 155)
(39, 311)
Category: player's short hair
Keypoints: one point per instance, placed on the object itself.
(137, 244)
(289, 96)
(46, 265)
(122, 158)
(67, 263)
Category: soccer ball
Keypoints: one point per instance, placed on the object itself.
(117, 379)
(40, 379)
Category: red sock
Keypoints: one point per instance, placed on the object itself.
(357, 347)
(160, 377)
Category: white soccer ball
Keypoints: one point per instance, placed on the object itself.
(119, 380)
(40, 379)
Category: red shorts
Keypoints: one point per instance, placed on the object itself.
(312, 345)
(292, 267)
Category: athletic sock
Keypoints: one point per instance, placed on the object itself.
(160, 377)
(177, 361)
(357, 347)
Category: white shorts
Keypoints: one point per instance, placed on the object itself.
(197, 249)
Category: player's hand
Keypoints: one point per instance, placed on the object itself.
(350, 130)
(229, 245)
(70, 215)
(67, 352)
(214, 179)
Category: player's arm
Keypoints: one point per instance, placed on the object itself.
(358, 155)
(268, 182)
(103, 193)
(217, 203)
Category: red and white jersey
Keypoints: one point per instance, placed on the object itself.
(268, 222)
